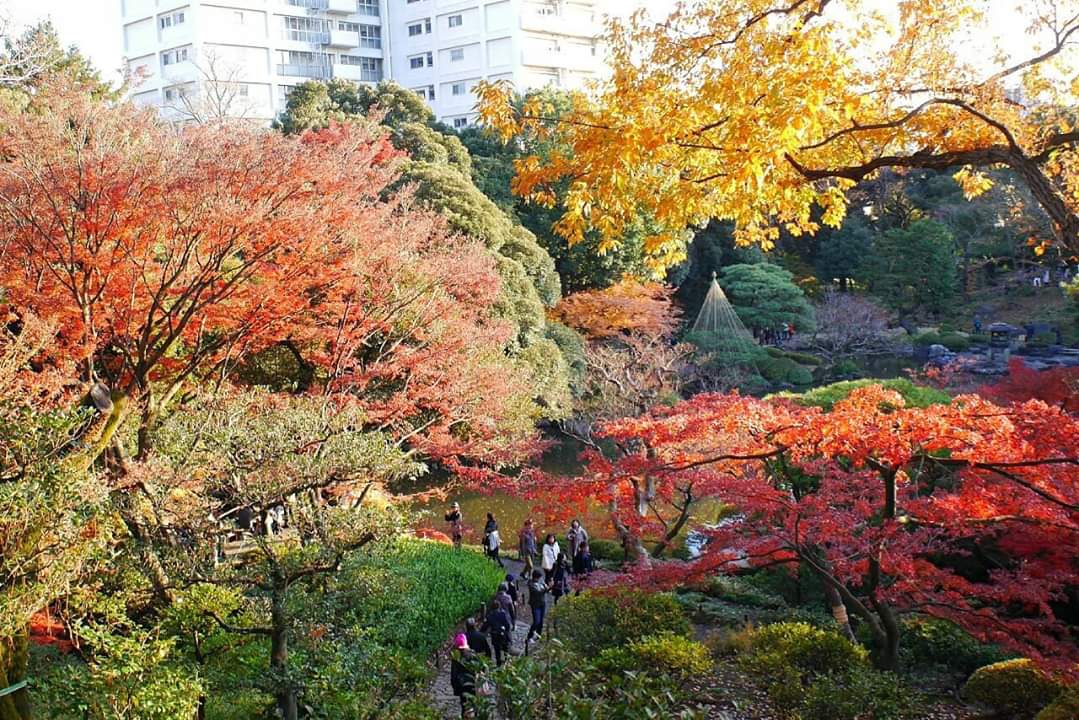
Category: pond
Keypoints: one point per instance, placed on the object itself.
(511, 511)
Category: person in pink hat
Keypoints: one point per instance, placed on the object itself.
(462, 676)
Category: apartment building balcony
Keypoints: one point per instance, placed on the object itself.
(559, 58)
(317, 72)
(560, 24)
(358, 73)
(341, 7)
(311, 37)
(343, 39)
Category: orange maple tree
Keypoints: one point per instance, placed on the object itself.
(895, 508)
(164, 255)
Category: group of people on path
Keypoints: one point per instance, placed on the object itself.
(556, 566)
(491, 635)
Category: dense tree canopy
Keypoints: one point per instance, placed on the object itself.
(761, 112)
(765, 297)
(914, 268)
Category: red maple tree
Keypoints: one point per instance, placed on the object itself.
(967, 511)
(1056, 386)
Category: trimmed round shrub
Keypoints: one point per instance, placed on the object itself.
(590, 623)
(804, 358)
(725, 642)
(929, 641)
(1065, 707)
(672, 655)
(859, 694)
(1013, 687)
(955, 342)
(808, 650)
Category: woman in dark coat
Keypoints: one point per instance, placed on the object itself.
(500, 628)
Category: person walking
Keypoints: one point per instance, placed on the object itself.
(453, 517)
(560, 578)
(489, 527)
(462, 674)
(511, 587)
(576, 535)
(498, 626)
(494, 542)
(526, 542)
(582, 561)
(537, 600)
(477, 641)
(551, 551)
(507, 602)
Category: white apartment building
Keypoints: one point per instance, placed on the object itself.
(243, 57)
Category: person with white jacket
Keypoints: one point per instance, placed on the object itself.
(551, 552)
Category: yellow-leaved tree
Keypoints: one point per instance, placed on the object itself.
(766, 112)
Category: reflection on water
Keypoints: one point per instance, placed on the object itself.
(562, 459)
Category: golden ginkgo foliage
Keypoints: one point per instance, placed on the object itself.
(766, 112)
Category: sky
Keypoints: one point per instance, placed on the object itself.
(92, 25)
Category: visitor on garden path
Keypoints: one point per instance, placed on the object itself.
(526, 542)
(560, 578)
(551, 551)
(477, 641)
(462, 676)
(487, 528)
(511, 587)
(537, 600)
(576, 535)
(453, 517)
(494, 542)
(497, 624)
(507, 601)
(582, 561)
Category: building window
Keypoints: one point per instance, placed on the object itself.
(371, 69)
(430, 59)
(348, 26)
(457, 54)
(302, 29)
(460, 122)
(176, 18)
(303, 64)
(420, 28)
(456, 21)
(415, 62)
(368, 7)
(171, 57)
(244, 90)
(371, 37)
(458, 89)
(173, 94)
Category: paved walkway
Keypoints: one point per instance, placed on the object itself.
(441, 690)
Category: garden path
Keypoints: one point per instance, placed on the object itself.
(441, 690)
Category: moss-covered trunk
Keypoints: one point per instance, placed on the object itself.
(13, 666)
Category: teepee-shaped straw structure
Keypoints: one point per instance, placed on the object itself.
(718, 318)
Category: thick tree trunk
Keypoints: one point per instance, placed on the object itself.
(1041, 187)
(286, 693)
(13, 662)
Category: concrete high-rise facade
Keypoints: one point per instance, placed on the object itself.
(242, 57)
